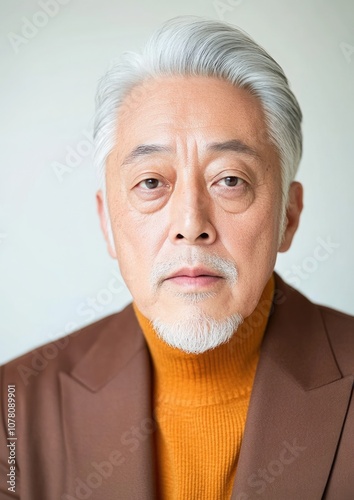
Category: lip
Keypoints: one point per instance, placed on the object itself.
(194, 272)
(194, 277)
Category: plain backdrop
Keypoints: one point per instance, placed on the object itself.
(55, 273)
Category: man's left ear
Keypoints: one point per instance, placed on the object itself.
(293, 211)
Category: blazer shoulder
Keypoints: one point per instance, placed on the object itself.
(59, 355)
(340, 330)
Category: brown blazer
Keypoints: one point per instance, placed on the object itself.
(85, 427)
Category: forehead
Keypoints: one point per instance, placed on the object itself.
(189, 113)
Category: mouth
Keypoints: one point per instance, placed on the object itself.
(198, 277)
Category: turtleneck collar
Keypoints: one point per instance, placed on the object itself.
(218, 375)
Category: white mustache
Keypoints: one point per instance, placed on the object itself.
(223, 267)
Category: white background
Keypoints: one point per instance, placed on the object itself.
(55, 273)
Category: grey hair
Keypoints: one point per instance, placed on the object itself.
(197, 46)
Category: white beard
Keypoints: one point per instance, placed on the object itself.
(197, 332)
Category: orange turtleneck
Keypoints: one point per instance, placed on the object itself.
(201, 403)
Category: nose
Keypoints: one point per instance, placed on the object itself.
(190, 212)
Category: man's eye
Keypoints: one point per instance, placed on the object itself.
(232, 181)
(150, 183)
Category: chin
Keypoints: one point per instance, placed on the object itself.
(212, 304)
(197, 332)
(194, 297)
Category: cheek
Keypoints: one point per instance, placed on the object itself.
(262, 240)
(254, 237)
(138, 239)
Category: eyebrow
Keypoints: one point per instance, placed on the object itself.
(143, 150)
(233, 145)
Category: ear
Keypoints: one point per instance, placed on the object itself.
(293, 211)
(104, 223)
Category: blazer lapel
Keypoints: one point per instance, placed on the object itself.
(297, 407)
(106, 415)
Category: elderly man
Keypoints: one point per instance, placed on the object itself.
(219, 381)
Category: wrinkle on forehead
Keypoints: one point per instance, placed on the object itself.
(187, 113)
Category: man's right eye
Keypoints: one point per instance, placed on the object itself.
(150, 183)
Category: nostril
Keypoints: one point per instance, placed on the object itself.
(204, 236)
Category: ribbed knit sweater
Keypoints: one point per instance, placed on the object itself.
(200, 404)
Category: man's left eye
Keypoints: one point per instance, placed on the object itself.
(150, 183)
(232, 181)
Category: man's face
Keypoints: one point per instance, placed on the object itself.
(194, 196)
